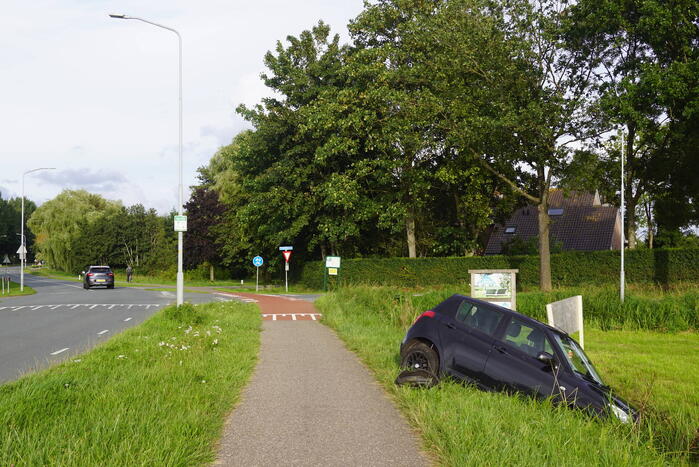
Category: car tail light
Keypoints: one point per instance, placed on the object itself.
(427, 314)
(89, 274)
(110, 274)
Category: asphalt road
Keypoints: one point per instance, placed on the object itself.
(62, 320)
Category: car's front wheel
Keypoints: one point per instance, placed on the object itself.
(421, 356)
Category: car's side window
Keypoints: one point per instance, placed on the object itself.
(484, 319)
(528, 339)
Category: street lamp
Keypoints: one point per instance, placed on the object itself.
(23, 246)
(180, 274)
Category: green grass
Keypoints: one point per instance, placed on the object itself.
(15, 291)
(461, 425)
(156, 394)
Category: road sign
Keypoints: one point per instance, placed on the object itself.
(332, 261)
(332, 271)
(180, 223)
(6, 260)
(287, 255)
(258, 261)
(22, 250)
(286, 248)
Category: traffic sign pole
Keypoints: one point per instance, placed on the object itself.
(257, 281)
(257, 261)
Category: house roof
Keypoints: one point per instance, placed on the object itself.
(584, 224)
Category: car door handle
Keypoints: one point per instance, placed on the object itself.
(501, 350)
(450, 326)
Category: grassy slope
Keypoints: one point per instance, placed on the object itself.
(464, 426)
(156, 394)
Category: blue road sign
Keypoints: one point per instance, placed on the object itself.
(257, 261)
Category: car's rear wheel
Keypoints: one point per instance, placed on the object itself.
(110, 286)
(421, 356)
(85, 286)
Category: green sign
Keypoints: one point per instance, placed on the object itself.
(180, 223)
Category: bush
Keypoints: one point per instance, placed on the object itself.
(573, 268)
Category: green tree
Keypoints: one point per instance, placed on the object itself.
(204, 216)
(76, 229)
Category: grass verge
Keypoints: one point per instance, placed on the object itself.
(15, 290)
(461, 425)
(156, 394)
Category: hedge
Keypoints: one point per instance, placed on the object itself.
(573, 268)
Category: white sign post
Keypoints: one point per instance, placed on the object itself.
(567, 315)
(286, 251)
(257, 261)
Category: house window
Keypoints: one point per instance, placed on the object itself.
(510, 230)
(555, 211)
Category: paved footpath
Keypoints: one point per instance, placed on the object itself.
(310, 402)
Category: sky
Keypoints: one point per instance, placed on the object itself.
(97, 98)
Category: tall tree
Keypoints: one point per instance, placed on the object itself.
(204, 217)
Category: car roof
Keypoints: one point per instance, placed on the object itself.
(516, 314)
(90, 267)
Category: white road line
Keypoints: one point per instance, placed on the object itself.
(103, 332)
(74, 307)
(19, 308)
(274, 317)
(93, 306)
(59, 351)
(127, 319)
(111, 306)
(130, 306)
(293, 317)
(53, 307)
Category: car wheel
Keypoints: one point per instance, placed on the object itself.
(110, 286)
(85, 286)
(420, 356)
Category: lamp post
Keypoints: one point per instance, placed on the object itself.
(23, 246)
(180, 274)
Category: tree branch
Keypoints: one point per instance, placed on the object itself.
(512, 184)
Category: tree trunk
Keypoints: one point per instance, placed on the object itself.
(211, 272)
(631, 202)
(410, 231)
(544, 247)
(649, 222)
(631, 221)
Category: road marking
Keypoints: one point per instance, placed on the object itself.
(103, 332)
(53, 307)
(293, 316)
(93, 306)
(59, 351)
(127, 319)
(111, 306)
(19, 308)
(74, 307)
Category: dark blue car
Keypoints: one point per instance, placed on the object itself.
(500, 349)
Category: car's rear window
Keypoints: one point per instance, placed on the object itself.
(100, 270)
(484, 319)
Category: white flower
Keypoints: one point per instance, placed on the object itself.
(203, 381)
(162, 343)
(215, 341)
(121, 356)
(77, 360)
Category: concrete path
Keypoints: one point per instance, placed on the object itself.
(310, 402)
